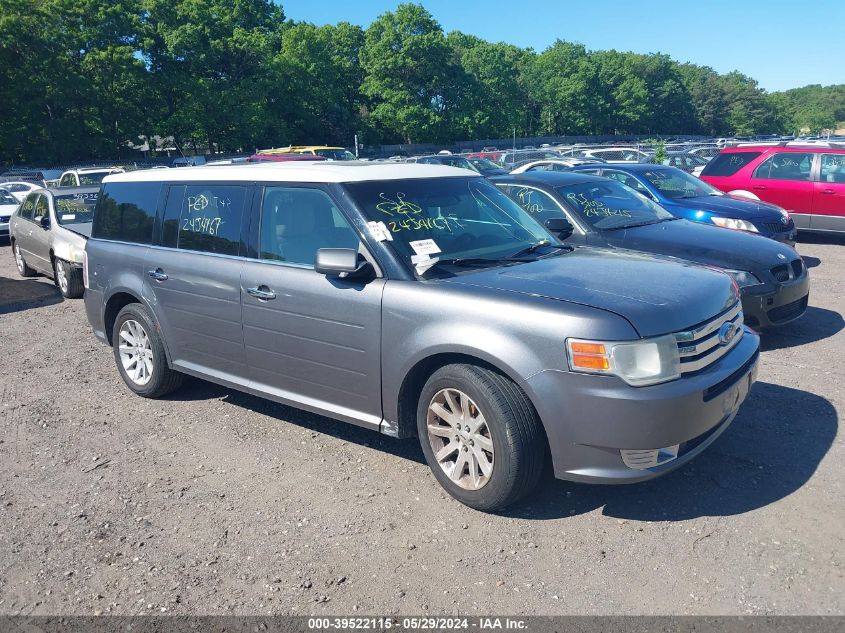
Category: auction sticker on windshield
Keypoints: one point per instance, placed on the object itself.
(424, 247)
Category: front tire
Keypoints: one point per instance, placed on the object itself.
(23, 269)
(68, 279)
(139, 354)
(480, 435)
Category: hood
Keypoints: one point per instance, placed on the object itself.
(7, 209)
(704, 244)
(656, 295)
(731, 206)
(83, 228)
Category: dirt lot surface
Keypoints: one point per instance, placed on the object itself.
(215, 502)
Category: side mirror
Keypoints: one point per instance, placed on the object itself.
(342, 262)
(45, 222)
(561, 227)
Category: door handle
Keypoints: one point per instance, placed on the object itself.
(828, 192)
(262, 292)
(158, 274)
(760, 187)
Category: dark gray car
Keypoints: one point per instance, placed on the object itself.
(418, 300)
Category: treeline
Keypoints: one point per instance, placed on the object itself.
(79, 79)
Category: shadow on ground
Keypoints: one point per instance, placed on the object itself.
(817, 324)
(772, 449)
(17, 295)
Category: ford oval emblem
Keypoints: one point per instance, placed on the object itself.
(782, 256)
(727, 332)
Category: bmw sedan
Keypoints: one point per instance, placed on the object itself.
(685, 196)
(603, 212)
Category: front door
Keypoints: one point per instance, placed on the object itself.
(311, 340)
(194, 279)
(784, 179)
(829, 194)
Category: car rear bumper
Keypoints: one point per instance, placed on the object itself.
(602, 430)
(779, 307)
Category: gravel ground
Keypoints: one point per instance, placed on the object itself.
(215, 502)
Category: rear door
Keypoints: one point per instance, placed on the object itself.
(194, 276)
(784, 178)
(20, 226)
(829, 194)
(38, 242)
(311, 340)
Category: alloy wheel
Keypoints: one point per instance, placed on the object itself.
(19, 259)
(460, 439)
(136, 353)
(61, 275)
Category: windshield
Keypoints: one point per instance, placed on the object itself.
(448, 218)
(92, 178)
(335, 154)
(483, 163)
(611, 205)
(75, 208)
(674, 183)
(7, 198)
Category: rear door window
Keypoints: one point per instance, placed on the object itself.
(786, 166)
(728, 164)
(42, 209)
(833, 168)
(126, 212)
(204, 217)
(28, 206)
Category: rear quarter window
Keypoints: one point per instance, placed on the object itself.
(126, 212)
(728, 164)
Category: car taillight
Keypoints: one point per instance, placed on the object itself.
(85, 269)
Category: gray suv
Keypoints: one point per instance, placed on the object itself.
(418, 300)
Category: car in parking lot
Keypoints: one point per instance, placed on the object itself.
(603, 212)
(486, 167)
(690, 163)
(86, 176)
(685, 196)
(808, 180)
(418, 300)
(8, 204)
(619, 154)
(553, 164)
(48, 233)
(19, 188)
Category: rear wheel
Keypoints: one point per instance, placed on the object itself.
(139, 354)
(23, 268)
(68, 279)
(480, 435)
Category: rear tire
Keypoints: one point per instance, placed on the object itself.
(68, 279)
(23, 269)
(477, 413)
(139, 354)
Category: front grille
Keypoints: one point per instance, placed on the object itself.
(788, 311)
(781, 273)
(773, 227)
(704, 344)
(793, 270)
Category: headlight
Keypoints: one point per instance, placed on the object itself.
(733, 223)
(76, 254)
(639, 363)
(743, 278)
(784, 214)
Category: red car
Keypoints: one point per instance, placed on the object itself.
(806, 180)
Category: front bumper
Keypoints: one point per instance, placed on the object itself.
(4, 229)
(597, 426)
(778, 307)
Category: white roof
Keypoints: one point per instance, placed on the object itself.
(305, 171)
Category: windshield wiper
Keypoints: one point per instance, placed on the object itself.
(538, 245)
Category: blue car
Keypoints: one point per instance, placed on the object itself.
(687, 197)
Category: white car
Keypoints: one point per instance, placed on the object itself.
(87, 176)
(8, 204)
(19, 188)
(619, 155)
(554, 164)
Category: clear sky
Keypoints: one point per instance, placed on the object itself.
(780, 43)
